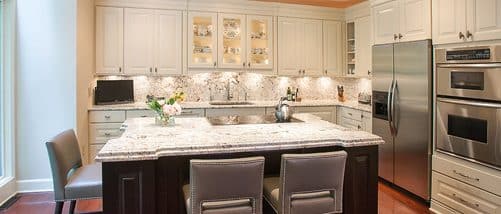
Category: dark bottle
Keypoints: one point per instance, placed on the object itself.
(289, 94)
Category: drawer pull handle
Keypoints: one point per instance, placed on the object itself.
(107, 116)
(465, 176)
(143, 116)
(350, 114)
(107, 134)
(187, 112)
(465, 202)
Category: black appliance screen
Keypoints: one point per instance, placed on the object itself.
(114, 91)
(467, 128)
(467, 80)
(477, 54)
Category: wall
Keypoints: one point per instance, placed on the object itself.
(85, 68)
(198, 87)
(45, 84)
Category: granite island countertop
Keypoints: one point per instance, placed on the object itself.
(206, 105)
(143, 140)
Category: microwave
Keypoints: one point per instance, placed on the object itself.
(114, 92)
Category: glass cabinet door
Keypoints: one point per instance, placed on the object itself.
(232, 41)
(202, 40)
(260, 42)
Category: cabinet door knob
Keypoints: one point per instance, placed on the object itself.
(468, 34)
(249, 64)
(215, 64)
(461, 35)
(119, 69)
(395, 36)
(151, 70)
(368, 72)
(304, 71)
(156, 70)
(325, 71)
(400, 36)
(243, 64)
(299, 71)
(107, 116)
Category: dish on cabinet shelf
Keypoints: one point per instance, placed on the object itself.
(202, 30)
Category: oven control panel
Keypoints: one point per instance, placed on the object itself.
(474, 54)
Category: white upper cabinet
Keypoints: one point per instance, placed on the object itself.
(288, 46)
(300, 49)
(363, 50)
(402, 20)
(139, 37)
(231, 41)
(386, 23)
(483, 19)
(202, 40)
(312, 48)
(449, 21)
(333, 51)
(259, 42)
(152, 42)
(109, 40)
(415, 20)
(457, 21)
(168, 42)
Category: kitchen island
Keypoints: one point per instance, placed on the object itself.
(144, 169)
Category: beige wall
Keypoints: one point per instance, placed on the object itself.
(85, 68)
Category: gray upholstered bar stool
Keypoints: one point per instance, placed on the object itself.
(225, 186)
(71, 180)
(308, 183)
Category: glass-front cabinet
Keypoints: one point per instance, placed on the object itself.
(231, 41)
(202, 37)
(260, 42)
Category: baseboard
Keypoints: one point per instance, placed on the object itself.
(34, 185)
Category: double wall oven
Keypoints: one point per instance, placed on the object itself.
(468, 89)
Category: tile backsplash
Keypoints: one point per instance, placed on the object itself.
(201, 87)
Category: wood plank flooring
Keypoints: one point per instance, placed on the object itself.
(391, 201)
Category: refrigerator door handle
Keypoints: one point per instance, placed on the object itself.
(393, 118)
(389, 106)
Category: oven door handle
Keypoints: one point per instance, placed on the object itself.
(489, 65)
(470, 103)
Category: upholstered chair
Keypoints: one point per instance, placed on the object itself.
(225, 186)
(308, 183)
(71, 180)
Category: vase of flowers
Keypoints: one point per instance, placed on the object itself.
(167, 109)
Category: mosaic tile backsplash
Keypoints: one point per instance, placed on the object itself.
(203, 87)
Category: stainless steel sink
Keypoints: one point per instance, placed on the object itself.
(240, 120)
(225, 103)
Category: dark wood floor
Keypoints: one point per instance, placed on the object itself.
(390, 201)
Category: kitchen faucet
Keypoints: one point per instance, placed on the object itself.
(229, 94)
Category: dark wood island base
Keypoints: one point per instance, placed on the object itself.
(154, 186)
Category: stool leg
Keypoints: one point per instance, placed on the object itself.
(59, 207)
(72, 206)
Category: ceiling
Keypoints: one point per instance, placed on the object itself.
(323, 3)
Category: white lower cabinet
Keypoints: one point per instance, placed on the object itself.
(354, 119)
(439, 208)
(463, 197)
(325, 113)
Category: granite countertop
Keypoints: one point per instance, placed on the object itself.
(143, 140)
(206, 105)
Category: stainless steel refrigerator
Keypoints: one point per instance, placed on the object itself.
(402, 114)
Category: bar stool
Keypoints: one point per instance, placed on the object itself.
(71, 180)
(308, 183)
(225, 186)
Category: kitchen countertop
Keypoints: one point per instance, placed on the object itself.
(143, 140)
(206, 105)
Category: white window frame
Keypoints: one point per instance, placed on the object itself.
(7, 127)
